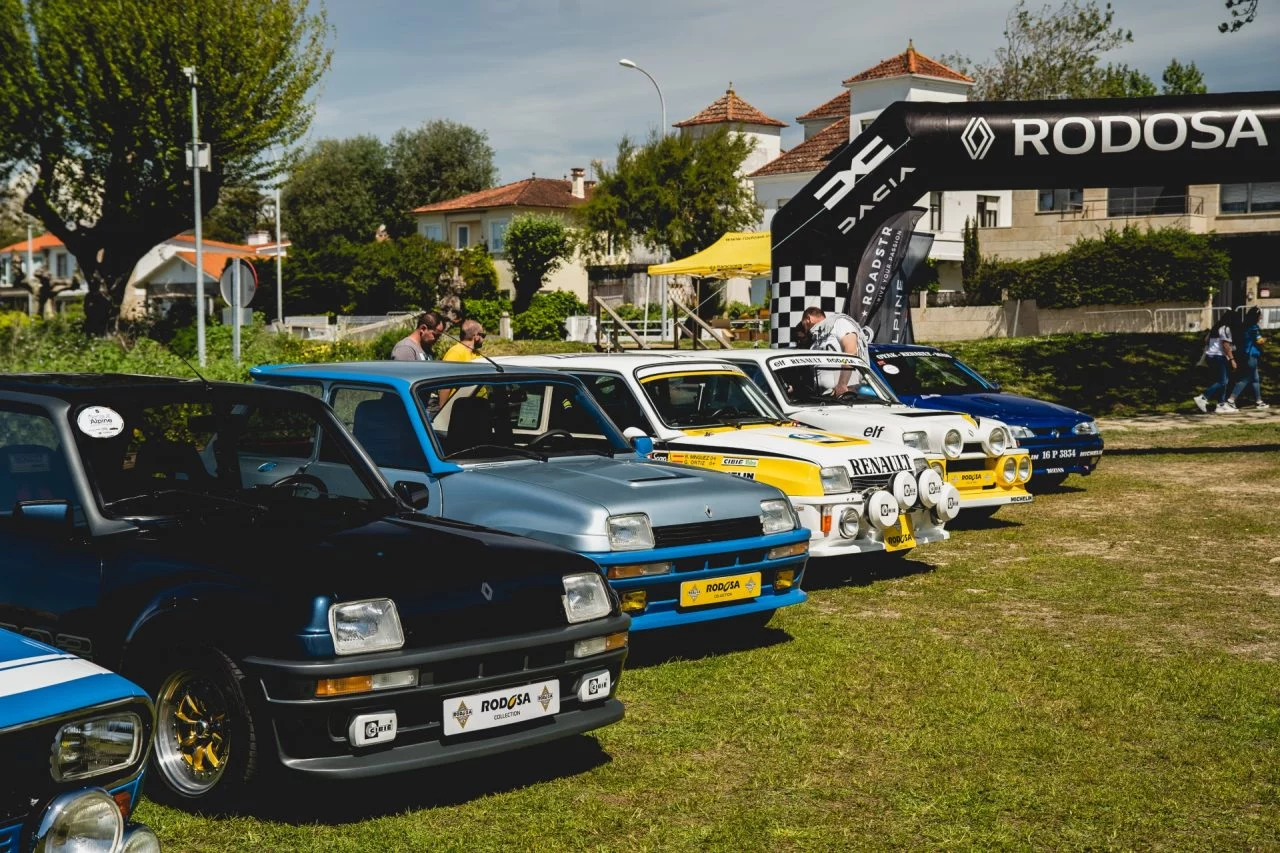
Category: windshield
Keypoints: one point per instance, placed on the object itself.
(518, 419)
(709, 399)
(198, 451)
(822, 380)
(922, 372)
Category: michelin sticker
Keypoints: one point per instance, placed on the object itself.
(100, 422)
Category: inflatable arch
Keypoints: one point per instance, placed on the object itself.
(914, 148)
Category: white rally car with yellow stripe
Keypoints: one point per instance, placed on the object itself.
(855, 495)
(979, 456)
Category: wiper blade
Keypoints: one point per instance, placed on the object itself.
(201, 497)
(502, 451)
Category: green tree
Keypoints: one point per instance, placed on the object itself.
(1242, 12)
(372, 277)
(239, 212)
(536, 245)
(436, 162)
(94, 99)
(676, 194)
(971, 260)
(340, 189)
(1182, 79)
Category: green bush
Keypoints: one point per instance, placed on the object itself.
(486, 311)
(544, 321)
(1124, 267)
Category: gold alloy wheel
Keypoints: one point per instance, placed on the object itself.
(193, 738)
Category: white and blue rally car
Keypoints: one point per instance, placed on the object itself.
(74, 740)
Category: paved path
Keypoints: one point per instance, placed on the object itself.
(1179, 420)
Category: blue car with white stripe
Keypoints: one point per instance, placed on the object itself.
(530, 451)
(1061, 440)
(74, 740)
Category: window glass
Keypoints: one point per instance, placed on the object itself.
(464, 236)
(927, 373)
(1249, 198)
(1063, 200)
(498, 236)
(433, 231)
(1146, 201)
(379, 420)
(708, 399)
(988, 211)
(935, 211)
(613, 395)
(33, 465)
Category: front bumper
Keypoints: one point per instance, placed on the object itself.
(20, 833)
(925, 528)
(311, 733)
(708, 562)
(1075, 455)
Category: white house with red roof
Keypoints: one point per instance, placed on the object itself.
(483, 217)
(908, 76)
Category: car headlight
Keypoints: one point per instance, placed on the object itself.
(372, 625)
(1085, 428)
(1020, 432)
(835, 481)
(776, 516)
(953, 444)
(1009, 469)
(996, 441)
(99, 745)
(631, 532)
(938, 468)
(80, 822)
(585, 597)
(1024, 469)
(917, 439)
(140, 839)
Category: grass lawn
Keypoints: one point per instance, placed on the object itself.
(1098, 669)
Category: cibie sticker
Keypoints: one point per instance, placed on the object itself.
(890, 369)
(100, 422)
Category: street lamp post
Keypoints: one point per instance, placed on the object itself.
(627, 63)
(194, 158)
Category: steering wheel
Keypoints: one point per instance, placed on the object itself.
(725, 411)
(550, 435)
(295, 480)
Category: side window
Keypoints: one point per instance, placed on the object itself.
(278, 434)
(33, 465)
(757, 375)
(613, 395)
(380, 422)
(568, 414)
(315, 389)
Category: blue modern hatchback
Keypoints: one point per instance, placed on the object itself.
(1062, 441)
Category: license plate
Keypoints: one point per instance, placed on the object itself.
(716, 590)
(901, 535)
(501, 707)
(969, 479)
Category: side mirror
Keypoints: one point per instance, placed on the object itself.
(47, 514)
(995, 386)
(415, 495)
(642, 443)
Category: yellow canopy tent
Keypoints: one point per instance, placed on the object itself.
(737, 254)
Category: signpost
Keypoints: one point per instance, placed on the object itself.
(237, 284)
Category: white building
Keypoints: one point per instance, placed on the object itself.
(909, 76)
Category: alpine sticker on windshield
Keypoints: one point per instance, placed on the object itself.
(100, 422)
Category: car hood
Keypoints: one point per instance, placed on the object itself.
(38, 682)
(1010, 408)
(799, 442)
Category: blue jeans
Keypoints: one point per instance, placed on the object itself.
(1249, 377)
(1218, 390)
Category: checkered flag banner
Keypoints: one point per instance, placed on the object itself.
(796, 288)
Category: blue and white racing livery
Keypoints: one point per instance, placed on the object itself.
(74, 740)
(1061, 440)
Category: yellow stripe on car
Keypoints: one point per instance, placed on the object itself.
(793, 476)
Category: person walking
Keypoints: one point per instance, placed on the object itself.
(1220, 354)
(1251, 343)
(418, 344)
(471, 339)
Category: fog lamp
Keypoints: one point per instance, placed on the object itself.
(784, 579)
(634, 601)
(850, 519)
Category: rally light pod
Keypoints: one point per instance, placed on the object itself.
(882, 510)
(930, 485)
(905, 489)
(949, 507)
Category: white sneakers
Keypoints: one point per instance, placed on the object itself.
(1228, 406)
(1261, 405)
(1201, 403)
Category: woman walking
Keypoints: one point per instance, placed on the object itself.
(1251, 347)
(1220, 354)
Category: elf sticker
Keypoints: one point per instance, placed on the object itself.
(891, 369)
(100, 422)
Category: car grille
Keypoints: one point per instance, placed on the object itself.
(701, 532)
(954, 465)
(871, 481)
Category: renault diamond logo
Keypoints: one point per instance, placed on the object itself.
(977, 138)
(486, 591)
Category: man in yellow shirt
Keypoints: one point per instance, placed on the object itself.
(471, 339)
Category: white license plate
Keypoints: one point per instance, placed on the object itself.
(504, 707)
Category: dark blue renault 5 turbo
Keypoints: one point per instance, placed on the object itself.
(1062, 441)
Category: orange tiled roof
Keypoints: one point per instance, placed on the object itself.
(531, 192)
(910, 61)
(811, 155)
(38, 244)
(214, 262)
(834, 108)
(729, 108)
(216, 244)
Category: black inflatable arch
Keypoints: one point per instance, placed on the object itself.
(914, 148)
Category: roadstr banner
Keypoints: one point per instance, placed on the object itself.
(879, 263)
(913, 148)
(892, 323)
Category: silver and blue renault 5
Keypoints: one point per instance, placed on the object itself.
(73, 742)
(529, 451)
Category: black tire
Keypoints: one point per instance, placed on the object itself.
(209, 763)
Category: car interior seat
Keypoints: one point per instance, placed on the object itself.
(382, 426)
(32, 472)
(470, 423)
(173, 461)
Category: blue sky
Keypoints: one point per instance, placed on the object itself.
(541, 76)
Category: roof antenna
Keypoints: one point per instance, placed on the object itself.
(485, 356)
(208, 386)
